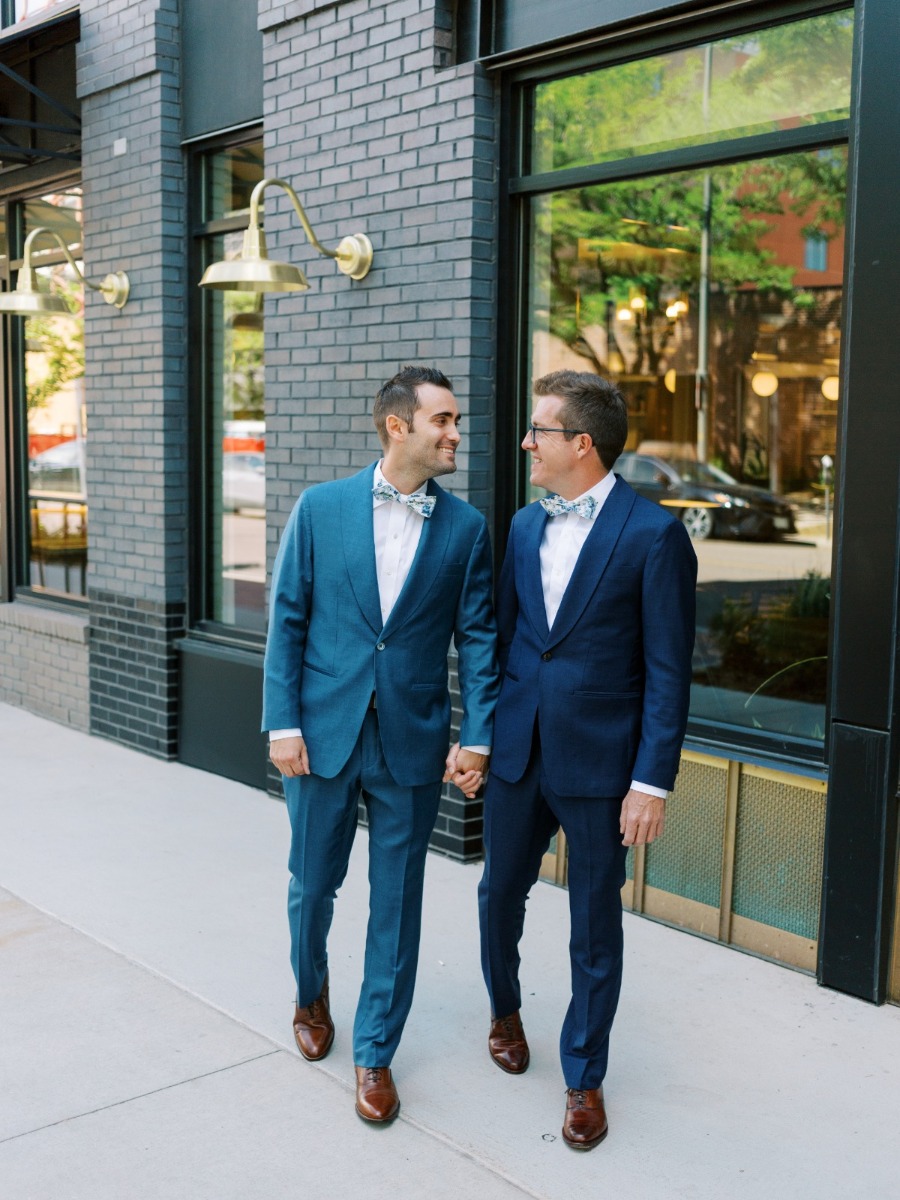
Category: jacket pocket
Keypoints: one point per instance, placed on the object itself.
(308, 666)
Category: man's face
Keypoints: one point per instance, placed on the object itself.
(432, 438)
(554, 458)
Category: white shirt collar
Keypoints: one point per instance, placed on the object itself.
(600, 491)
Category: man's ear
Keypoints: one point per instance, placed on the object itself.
(395, 428)
(586, 444)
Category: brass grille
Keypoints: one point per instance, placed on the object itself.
(778, 854)
(688, 860)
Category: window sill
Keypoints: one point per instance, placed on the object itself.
(50, 622)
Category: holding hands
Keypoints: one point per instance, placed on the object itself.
(465, 769)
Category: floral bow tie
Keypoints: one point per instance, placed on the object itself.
(555, 506)
(419, 502)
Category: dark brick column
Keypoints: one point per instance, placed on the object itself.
(128, 81)
(378, 133)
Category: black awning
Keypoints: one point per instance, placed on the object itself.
(39, 110)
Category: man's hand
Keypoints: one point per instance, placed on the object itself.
(642, 819)
(289, 756)
(465, 769)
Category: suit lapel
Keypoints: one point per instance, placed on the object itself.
(593, 559)
(429, 555)
(528, 569)
(358, 540)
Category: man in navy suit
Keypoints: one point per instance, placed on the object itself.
(595, 614)
(374, 576)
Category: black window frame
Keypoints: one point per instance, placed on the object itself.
(200, 624)
(15, 566)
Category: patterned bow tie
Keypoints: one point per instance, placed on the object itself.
(419, 502)
(555, 506)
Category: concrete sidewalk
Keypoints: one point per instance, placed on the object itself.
(146, 1049)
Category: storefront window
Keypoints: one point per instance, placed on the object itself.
(56, 416)
(235, 417)
(699, 293)
(779, 78)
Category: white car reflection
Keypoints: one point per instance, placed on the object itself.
(59, 469)
(243, 480)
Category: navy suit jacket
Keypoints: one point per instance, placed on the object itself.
(328, 650)
(609, 684)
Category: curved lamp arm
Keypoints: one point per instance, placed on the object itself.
(113, 288)
(353, 254)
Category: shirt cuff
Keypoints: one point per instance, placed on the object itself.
(275, 735)
(477, 749)
(648, 789)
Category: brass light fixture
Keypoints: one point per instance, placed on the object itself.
(254, 271)
(28, 298)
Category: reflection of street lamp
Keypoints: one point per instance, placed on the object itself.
(827, 464)
(765, 384)
(831, 387)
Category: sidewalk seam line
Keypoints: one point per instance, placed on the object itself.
(139, 1096)
(277, 1048)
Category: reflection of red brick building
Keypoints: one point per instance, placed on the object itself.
(789, 245)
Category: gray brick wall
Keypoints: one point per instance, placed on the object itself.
(135, 359)
(377, 136)
(45, 662)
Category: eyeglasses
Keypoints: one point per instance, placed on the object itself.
(535, 431)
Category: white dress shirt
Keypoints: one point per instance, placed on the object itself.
(562, 543)
(397, 531)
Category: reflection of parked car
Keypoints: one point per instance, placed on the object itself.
(243, 480)
(708, 500)
(59, 469)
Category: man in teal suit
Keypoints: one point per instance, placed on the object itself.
(374, 576)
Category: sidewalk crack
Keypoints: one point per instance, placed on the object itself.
(140, 1096)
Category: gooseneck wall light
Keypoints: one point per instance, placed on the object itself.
(254, 271)
(28, 298)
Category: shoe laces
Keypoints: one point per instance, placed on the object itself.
(373, 1074)
(509, 1027)
(579, 1096)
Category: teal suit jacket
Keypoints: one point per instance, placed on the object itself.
(327, 649)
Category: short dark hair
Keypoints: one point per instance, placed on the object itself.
(592, 405)
(398, 396)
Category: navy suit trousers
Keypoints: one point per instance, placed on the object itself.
(520, 820)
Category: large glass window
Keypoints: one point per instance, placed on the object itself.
(52, 377)
(234, 567)
(696, 291)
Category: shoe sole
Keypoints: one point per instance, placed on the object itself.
(585, 1145)
(378, 1120)
(315, 1057)
(511, 1070)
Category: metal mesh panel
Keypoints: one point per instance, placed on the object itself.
(629, 864)
(687, 861)
(778, 855)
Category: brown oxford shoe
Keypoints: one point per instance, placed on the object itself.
(313, 1027)
(507, 1045)
(376, 1095)
(585, 1125)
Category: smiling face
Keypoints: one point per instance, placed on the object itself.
(557, 462)
(426, 447)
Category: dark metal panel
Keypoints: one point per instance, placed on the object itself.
(222, 65)
(521, 23)
(860, 849)
(220, 711)
(860, 834)
(865, 619)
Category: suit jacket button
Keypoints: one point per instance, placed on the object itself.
(546, 656)
(380, 646)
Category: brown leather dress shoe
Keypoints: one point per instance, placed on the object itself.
(376, 1095)
(313, 1027)
(507, 1045)
(585, 1125)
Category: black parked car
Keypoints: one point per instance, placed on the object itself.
(707, 499)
